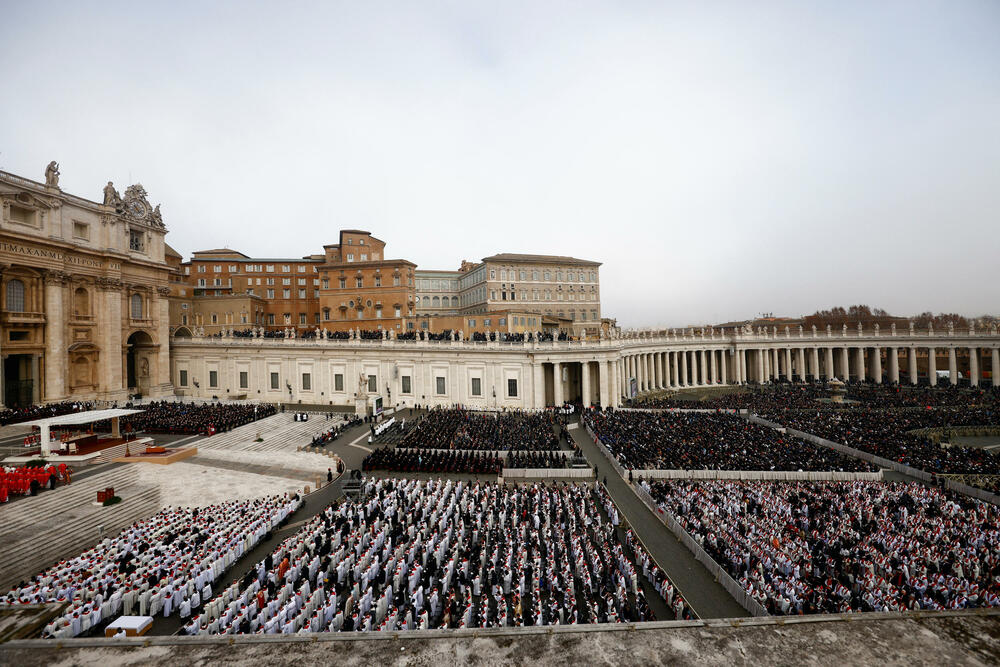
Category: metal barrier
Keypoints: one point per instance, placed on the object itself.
(775, 475)
(739, 593)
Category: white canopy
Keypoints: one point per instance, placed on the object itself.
(87, 417)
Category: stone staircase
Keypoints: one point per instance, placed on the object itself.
(38, 531)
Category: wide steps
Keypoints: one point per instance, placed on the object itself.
(50, 508)
(43, 548)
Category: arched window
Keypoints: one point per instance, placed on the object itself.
(436, 302)
(81, 302)
(454, 302)
(427, 302)
(136, 306)
(15, 296)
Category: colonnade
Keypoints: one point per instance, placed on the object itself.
(642, 371)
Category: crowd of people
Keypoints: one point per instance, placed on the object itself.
(786, 396)
(801, 548)
(433, 461)
(165, 564)
(887, 433)
(707, 441)
(408, 555)
(32, 412)
(189, 418)
(500, 431)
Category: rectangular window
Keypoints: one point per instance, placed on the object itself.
(378, 281)
(477, 386)
(135, 241)
(307, 382)
(244, 380)
(213, 379)
(270, 294)
(217, 268)
(343, 283)
(364, 257)
(285, 268)
(302, 294)
(286, 281)
(338, 382)
(395, 281)
(201, 268)
(286, 294)
(439, 386)
(81, 230)
(511, 388)
(396, 310)
(302, 269)
(270, 318)
(302, 319)
(183, 381)
(326, 283)
(232, 268)
(274, 381)
(360, 282)
(350, 257)
(372, 384)
(301, 282)
(270, 268)
(405, 384)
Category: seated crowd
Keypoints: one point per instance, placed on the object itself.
(785, 396)
(24, 480)
(409, 555)
(708, 441)
(436, 461)
(885, 433)
(189, 418)
(832, 547)
(32, 412)
(501, 431)
(166, 563)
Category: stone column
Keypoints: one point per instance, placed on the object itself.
(538, 377)
(788, 365)
(859, 356)
(932, 366)
(684, 369)
(602, 379)
(674, 364)
(661, 376)
(814, 353)
(722, 367)
(995, 365)
(36, 380)
(845, 364)
(644, 372)
(876, 365)
(974, 366)
(952, 367)
(911, 356)
(585, 383)
(557, 384)
(109, 303)
(650, 373)
(713, 368)
(703, 367)
(56, 358)
(894, 365)
(161, 305)
(760, 354)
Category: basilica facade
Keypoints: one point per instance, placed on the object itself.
(84, 311)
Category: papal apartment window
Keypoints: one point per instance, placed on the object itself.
(405, 385)
(302, 294)
(201, 268)
(270, 268)
(286, 268)
(477, 386)
(270, 294)
(439, 386)
(274, 381)
(217, 268)
(286, 294)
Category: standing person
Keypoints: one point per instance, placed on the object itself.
(329, 475)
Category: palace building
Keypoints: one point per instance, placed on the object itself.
(84, 289)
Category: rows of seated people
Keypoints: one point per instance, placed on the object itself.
(786, 396)
(32, 412)
(887, 433)
(708, 441)
(189, 418)
(415, 460)
(24, 480)
(164, 564)
(831, 547)
(501, 431)
(410, 555)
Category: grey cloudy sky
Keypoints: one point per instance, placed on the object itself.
(721, 159)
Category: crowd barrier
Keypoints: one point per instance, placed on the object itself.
(782, 475)
(545, 473)
(739, 593)
(728, 411)
(981, 494)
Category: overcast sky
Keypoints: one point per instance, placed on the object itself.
(720, 159)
